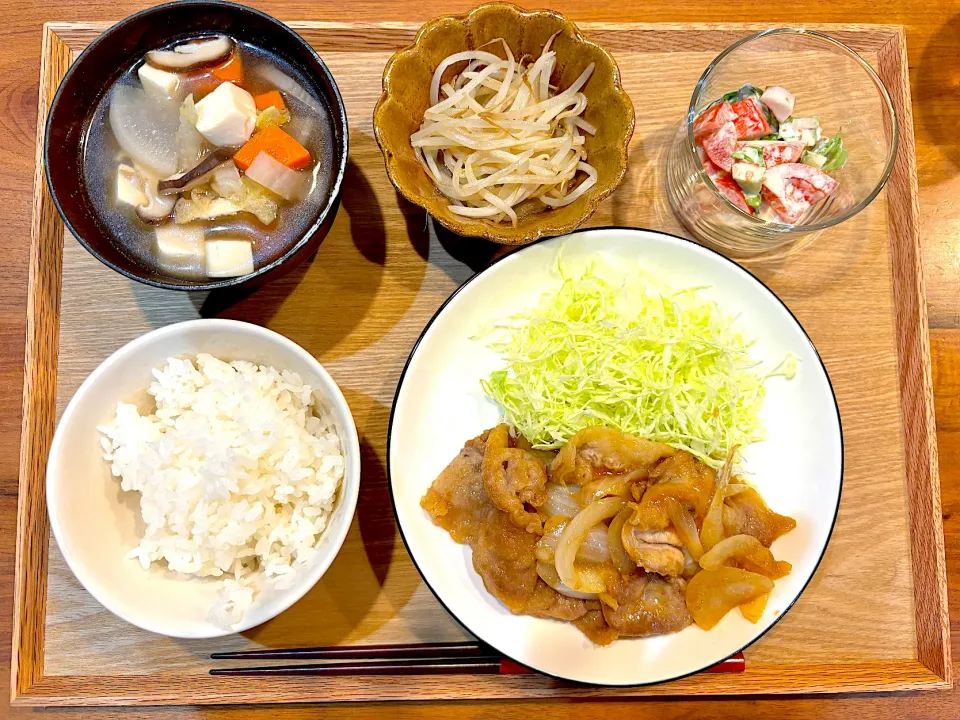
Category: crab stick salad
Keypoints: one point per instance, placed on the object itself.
(765, 160)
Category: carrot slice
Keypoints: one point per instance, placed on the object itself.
(230, 70)
(276, 143)
(270, 99)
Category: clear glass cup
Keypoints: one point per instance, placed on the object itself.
(830, 81)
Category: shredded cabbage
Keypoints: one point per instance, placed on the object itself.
(631, 353)
(204, 203)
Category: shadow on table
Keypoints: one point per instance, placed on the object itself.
(318, 302)
(358, 594)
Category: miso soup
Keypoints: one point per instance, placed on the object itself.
(209, 158)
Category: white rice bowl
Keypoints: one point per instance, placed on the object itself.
(238, 467)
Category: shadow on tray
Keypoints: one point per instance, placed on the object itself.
(333, 289)
(359, 593)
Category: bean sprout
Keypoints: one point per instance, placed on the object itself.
(495, 137)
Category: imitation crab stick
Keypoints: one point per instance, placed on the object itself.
(276, 143)
(270, 99)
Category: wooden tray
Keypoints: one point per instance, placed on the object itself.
(874, 616)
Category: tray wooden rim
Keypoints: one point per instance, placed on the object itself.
(931, 670)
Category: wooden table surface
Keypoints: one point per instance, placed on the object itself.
(933, 39)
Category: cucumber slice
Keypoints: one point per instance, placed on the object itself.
(813, 159)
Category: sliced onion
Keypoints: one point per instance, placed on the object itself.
(690, 566)
(685, 527)
(728, 549)
(748, 553)
(609, 600)
(594, 549)
(711, 594)
(618, 485)
(576, 532)
(560, 502)
(548, 573)
(546, 546)
(593, 577)
(275, 176)
(754, 609)
(711, 532)
(618, 553)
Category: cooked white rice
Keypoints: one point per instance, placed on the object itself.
(238, 469)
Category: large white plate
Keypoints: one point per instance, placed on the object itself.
(439, 405)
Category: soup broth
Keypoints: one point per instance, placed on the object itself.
(309, 126)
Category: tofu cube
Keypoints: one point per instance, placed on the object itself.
(779, 100)
(748, 176)
(180, 244)
(158, 83)
(229, 258)
(227, 116)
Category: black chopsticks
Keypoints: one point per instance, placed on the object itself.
(364, 652)
(450, 666)
(417, 659)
